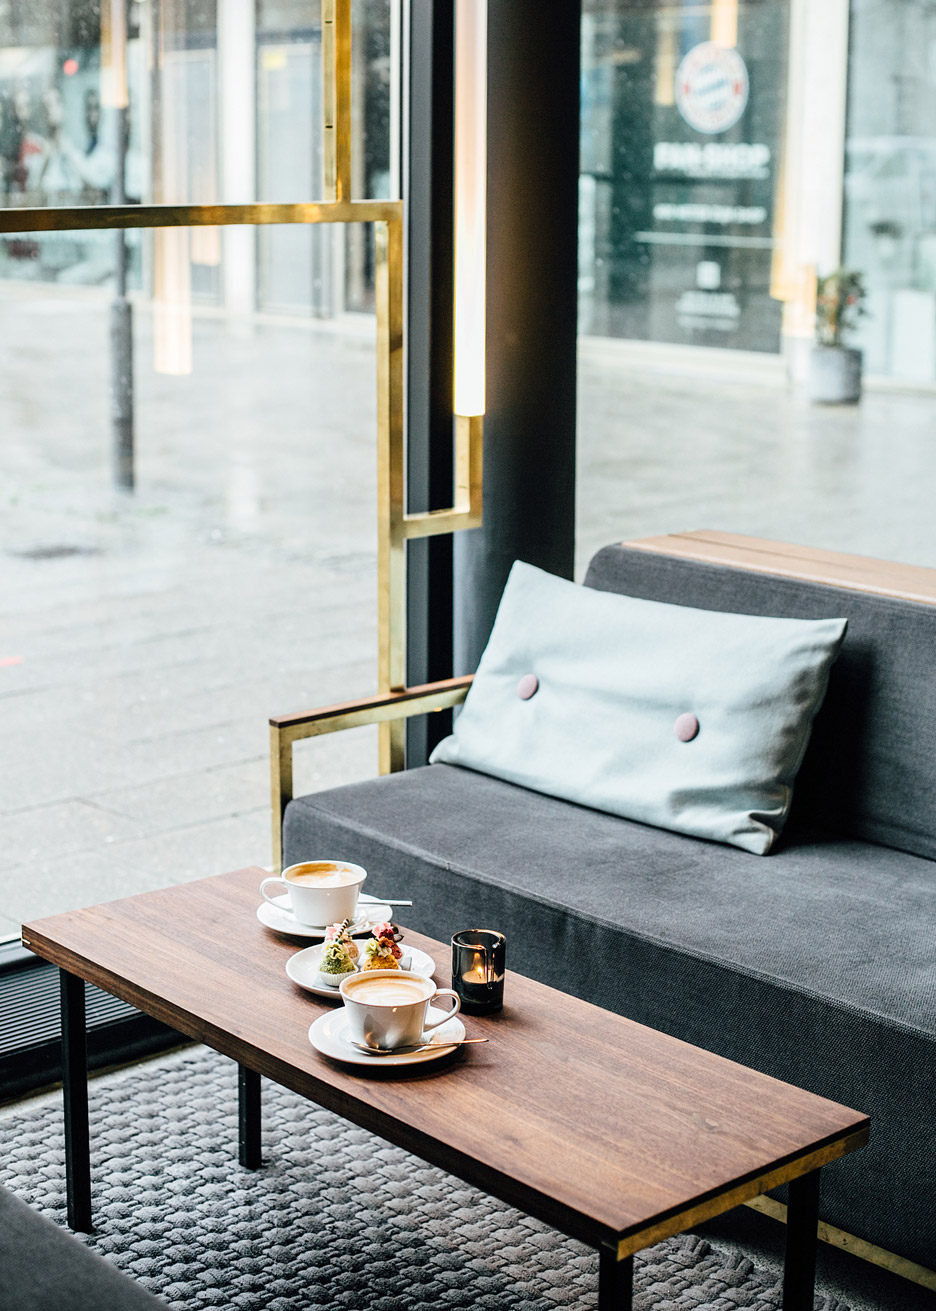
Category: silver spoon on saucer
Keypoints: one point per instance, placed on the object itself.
(412, 1047)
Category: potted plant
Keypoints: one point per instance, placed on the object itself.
(835, 369)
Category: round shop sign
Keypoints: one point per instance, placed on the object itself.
(711, 87)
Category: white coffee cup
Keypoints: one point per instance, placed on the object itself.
(387, 1008)
(320, 892)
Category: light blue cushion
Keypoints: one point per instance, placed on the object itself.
(614, 674)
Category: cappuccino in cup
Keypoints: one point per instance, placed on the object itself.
(391, 992)
(388, 1009)
(320, 892)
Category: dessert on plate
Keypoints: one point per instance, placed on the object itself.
(381, 951)
(342, 933)
(336, 964)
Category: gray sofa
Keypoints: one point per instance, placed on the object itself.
(43, 1268)
(816, 964)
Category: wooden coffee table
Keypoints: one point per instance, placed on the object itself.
(605, 1129)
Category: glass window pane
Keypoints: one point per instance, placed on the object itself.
(682, 143)
(733, 151)
(890, 183)
(186, 101)
(101, 106)
(147, 637)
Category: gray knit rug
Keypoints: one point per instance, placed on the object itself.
(336, 1218)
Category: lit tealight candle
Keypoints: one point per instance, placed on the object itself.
(478, 970)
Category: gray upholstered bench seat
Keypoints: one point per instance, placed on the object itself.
(43, 1268)
(810, 918)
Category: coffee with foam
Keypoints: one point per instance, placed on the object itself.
(320, 892)
(389, 992)
(387, 1009)
(325, 875)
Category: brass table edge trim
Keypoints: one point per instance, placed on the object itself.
(678, 1222)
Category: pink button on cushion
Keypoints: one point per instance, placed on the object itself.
(527, 686)
(686, 727)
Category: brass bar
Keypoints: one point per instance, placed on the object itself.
(391, 755)
(391, 490)
(422, 697)
(859, 1247)
(92, 217)
(281, 788)
(397, 485)
(678, 1221)
(386, 713)
(342, 103)
(469, 468)
(384, 709)
(329, 101)
(432, 523)
(384, 471)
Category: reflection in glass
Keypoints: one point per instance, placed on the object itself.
(192, 102)
(682, 150)
(890, 184)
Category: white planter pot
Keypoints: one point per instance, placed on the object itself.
(835, 375)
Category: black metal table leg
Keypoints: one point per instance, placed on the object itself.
(799, 1274)
(250, 1152)
(615, 1281)
(75, 1090)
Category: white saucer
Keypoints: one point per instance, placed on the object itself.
(278, 917)
(328, 1036)
(304, 966)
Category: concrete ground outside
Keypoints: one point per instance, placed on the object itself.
(145, 639)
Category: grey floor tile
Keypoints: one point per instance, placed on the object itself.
(61, 882)
(63, 827)
(9, 929)
(192, 797)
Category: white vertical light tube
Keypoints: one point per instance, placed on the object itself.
(237, 79)
(724, 24)
(114, 54)
(470, 203)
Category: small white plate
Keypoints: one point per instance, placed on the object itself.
(303, 968)
(277, 916)
(328, 1035)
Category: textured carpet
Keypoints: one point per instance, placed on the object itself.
(336, 1218)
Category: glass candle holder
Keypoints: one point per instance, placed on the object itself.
(478, 957)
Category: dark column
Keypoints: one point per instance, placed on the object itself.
(799, 1272)
(250, 1150)
(429, 353)
(529, 428)
(75, 1092)
(615, 1281)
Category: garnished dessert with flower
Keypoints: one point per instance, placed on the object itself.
(342, 933)
(381, 951)
(335, 964)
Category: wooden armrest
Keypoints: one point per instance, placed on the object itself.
(378, 709)
(859, 573)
